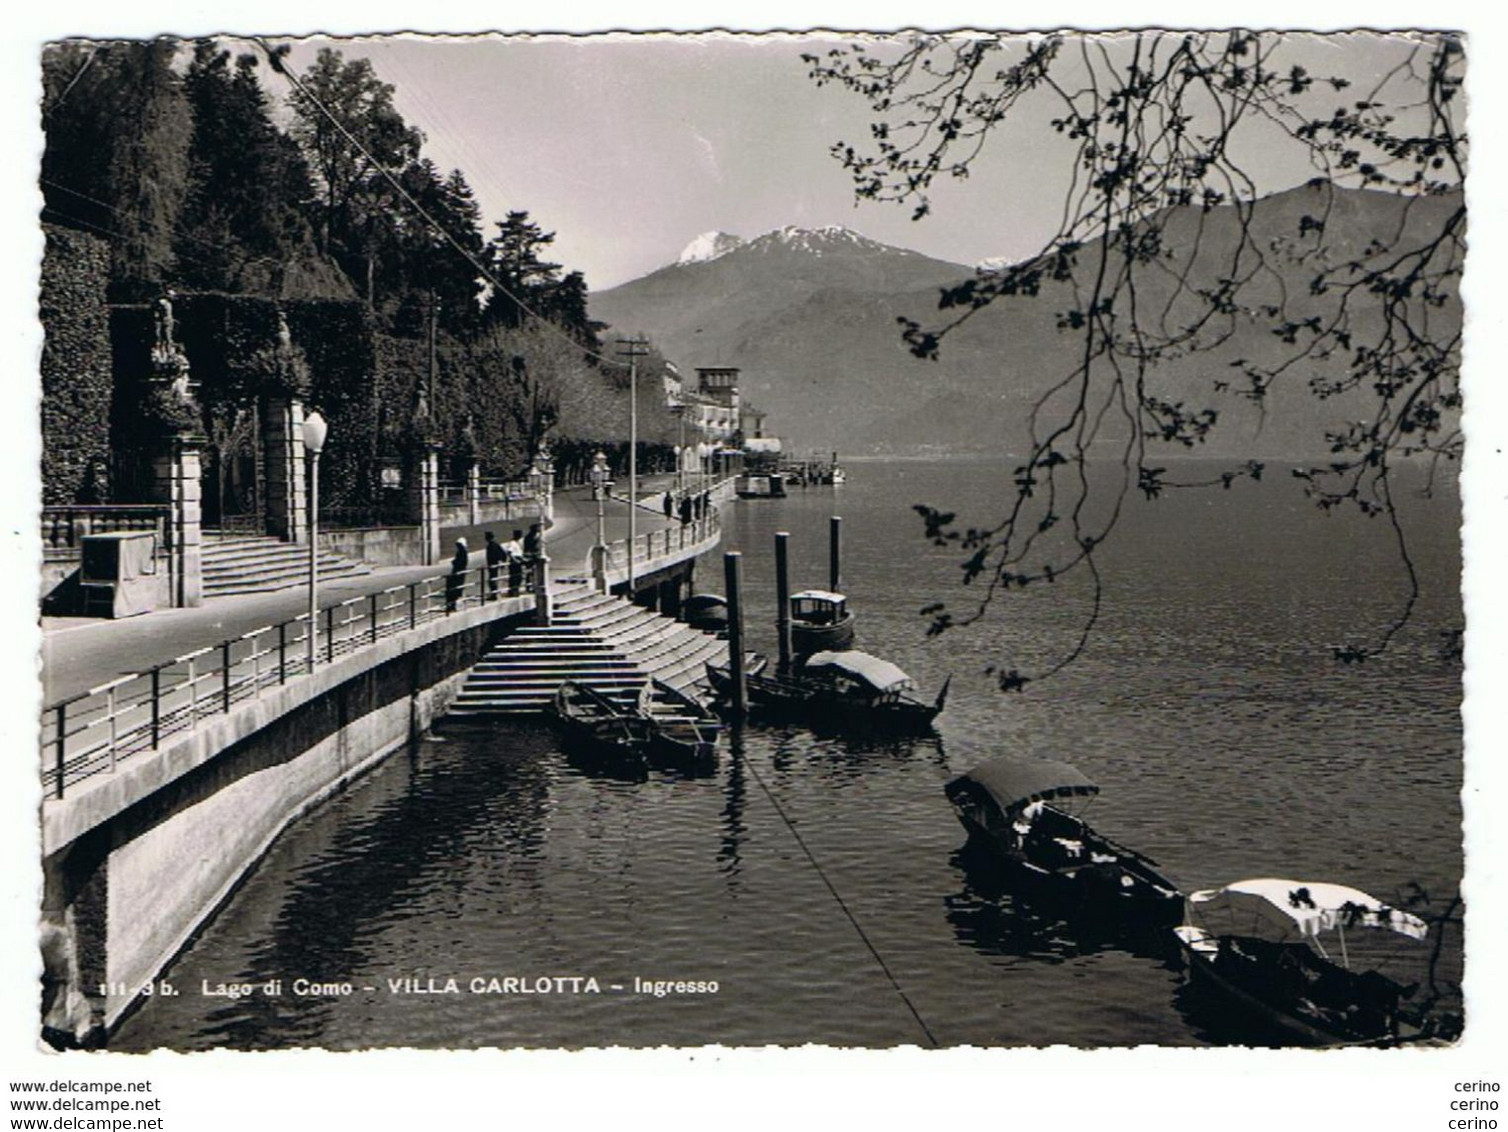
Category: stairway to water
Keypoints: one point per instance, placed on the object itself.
(599, 640)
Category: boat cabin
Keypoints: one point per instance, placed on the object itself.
(818, 607)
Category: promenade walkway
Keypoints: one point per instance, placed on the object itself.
(81, 653)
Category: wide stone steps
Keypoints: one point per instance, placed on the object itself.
(244, 564)
(599, 640)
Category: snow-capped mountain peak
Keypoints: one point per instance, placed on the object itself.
(708, 246)
(828, 237)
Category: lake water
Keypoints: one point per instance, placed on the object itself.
(1225, 739)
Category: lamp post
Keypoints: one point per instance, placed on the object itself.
(680, 448)
(314, 433)
(600, 484)
(633, 463)
(540, 482)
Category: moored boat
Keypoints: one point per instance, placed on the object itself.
(683, 731)
(760, 486)
(1281, 949)
(595, 723)
(1023, 809)
(708, 612)
(820, 622)
(850, 690)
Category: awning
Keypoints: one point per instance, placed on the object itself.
(819, 595)
(1275, 909)
(1016, 782)
(879, 674)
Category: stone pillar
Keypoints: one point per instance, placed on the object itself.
(175, 481)
(283, 460)
(542, 610)
(424, 501)
(598, 561)
(473, 494)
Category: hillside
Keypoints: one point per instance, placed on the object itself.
(810, 316)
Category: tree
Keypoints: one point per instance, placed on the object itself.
(243, 226)
(514, 257)
(118, 127)
(336, 105)
(1165, 266)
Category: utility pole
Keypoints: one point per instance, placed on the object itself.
(633, 349)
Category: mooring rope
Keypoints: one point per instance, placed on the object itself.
(838, 897)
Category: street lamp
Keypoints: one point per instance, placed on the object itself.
(600, 484)
(680, 447)
(315, 431)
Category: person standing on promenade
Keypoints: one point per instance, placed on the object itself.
(456, 580)
(496, 556)
(534, 545)
(669, 505)
(685, 509)
(513, 549)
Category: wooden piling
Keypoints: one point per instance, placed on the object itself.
(732, 562)
(835, 554)
(783, 599)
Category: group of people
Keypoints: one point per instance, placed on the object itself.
(509, 557)
(690, 506)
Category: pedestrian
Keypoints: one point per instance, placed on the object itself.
(685, 509)
(514, 549)
(455, 581)
(669, 505)
(533, 542)
(496, 556)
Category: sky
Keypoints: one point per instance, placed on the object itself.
(629, 147)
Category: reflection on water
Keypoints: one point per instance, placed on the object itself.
(1225, 741)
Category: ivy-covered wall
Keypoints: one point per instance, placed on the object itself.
(77, 383)
(339, 340)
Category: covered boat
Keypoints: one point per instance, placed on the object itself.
(851, 690)
(1306, 956)
(707, 612)
(820, 622)
(1022, 808)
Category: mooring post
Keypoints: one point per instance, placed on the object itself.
(731, 569)
(835, 553)
(783, 599)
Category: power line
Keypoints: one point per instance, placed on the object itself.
(276, 62)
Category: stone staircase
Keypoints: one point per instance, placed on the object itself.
(246, 564)
(599, 640)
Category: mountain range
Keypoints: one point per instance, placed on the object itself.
(810, 316)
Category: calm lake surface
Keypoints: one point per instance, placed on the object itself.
(1226, 741)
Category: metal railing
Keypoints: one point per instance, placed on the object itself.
(64, 528)
(495, 491)
(663, 543)
(92, 732)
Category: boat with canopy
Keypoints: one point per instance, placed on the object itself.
(1308, 957)
(1028, 811)
(849, 689)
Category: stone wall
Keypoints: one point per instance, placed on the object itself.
(137, 861)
